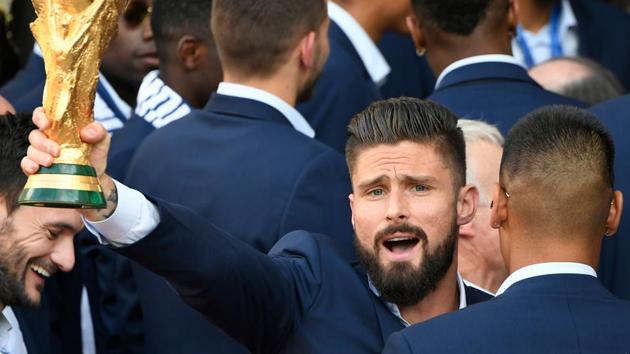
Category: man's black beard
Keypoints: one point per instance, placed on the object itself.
(12, 291)
(403, 284)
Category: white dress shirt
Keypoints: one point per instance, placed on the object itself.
(540, 43)
(294, 117)
(372, 58)
(488, 58)
(393, 308)
(11, 340)
(540, 269)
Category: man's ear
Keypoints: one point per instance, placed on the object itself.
(512, 17)
(351, 200)
(190, 51)
(416, 33)
(614, 214)
(307, 50)
(498, 214)
(467, 204)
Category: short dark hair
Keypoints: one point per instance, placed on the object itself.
(453, 16)
(555, 159)
(172, 19)
(409, 119)
(255, 35)
(14, 131)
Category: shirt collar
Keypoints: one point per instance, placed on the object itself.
(536, 270)
(296, 119)
(499, 58)
(396, 311)
(159, 104)
(372, 58)
(568, 21)
(5, 326)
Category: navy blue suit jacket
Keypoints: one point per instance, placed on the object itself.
(603, 36)
(497, 93)
(125, 141)
(343, 90)
(614, 268)
(35, 330)
(242, 165)
(32, 75)
(304, 297)
(559, 314)
(411, 75)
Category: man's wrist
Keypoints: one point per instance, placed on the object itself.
(111, 197)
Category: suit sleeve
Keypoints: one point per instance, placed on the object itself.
(255, 298)
(319, 202)
(397, 344)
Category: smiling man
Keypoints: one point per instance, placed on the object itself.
(34, 242)
(407, 162)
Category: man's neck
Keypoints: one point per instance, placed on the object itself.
(534, 14)
(276, 85)
(367, 17)
(444, 299)
(474, 268)
(443, 58)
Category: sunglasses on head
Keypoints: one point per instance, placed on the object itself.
(136, 12)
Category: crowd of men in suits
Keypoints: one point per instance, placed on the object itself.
(344, 176)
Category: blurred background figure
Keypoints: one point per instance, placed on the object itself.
(587, 28)
(469, 48)
(614, 268)
(356, 69)
(479, 257)
(578, 78)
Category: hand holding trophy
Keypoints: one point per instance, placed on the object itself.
(72, 35)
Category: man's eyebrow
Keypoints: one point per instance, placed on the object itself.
(408, 179)
(61, 226)
(372, 182)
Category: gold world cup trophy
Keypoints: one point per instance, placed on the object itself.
(72, 35)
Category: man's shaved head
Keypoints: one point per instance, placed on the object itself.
(557, 169)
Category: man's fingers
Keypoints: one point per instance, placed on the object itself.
(29, 166)
(93, 133)
(40, 119)
(39, 157)
(41, 142)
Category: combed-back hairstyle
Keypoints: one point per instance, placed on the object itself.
(254, 36)
(454, 16)
(14, 131)
(558, 164)
(409, 119)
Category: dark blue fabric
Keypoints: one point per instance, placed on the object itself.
(603, 36)
(125, 141)
(35, 328)
(305, 297)
(552, 314)
(26, 79)
(411, 75)
(343, 90)
(614, 268)
(240, 164)
(495, 92)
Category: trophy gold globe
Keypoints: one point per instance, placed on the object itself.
(72, 35)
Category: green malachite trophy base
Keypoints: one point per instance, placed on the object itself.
(40, 192)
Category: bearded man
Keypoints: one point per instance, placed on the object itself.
(407, 163)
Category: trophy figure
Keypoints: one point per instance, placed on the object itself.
(72, 35)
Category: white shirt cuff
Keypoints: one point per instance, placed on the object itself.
(134, 218)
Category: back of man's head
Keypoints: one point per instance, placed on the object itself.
(578, 78)
(254, 36)
(395, 120)
(14, 131)
(557, 169)
(171, 19)
(458, 17)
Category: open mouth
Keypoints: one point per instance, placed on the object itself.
(401, 245)
(40, 271)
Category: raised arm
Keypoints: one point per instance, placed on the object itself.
(257, 299)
